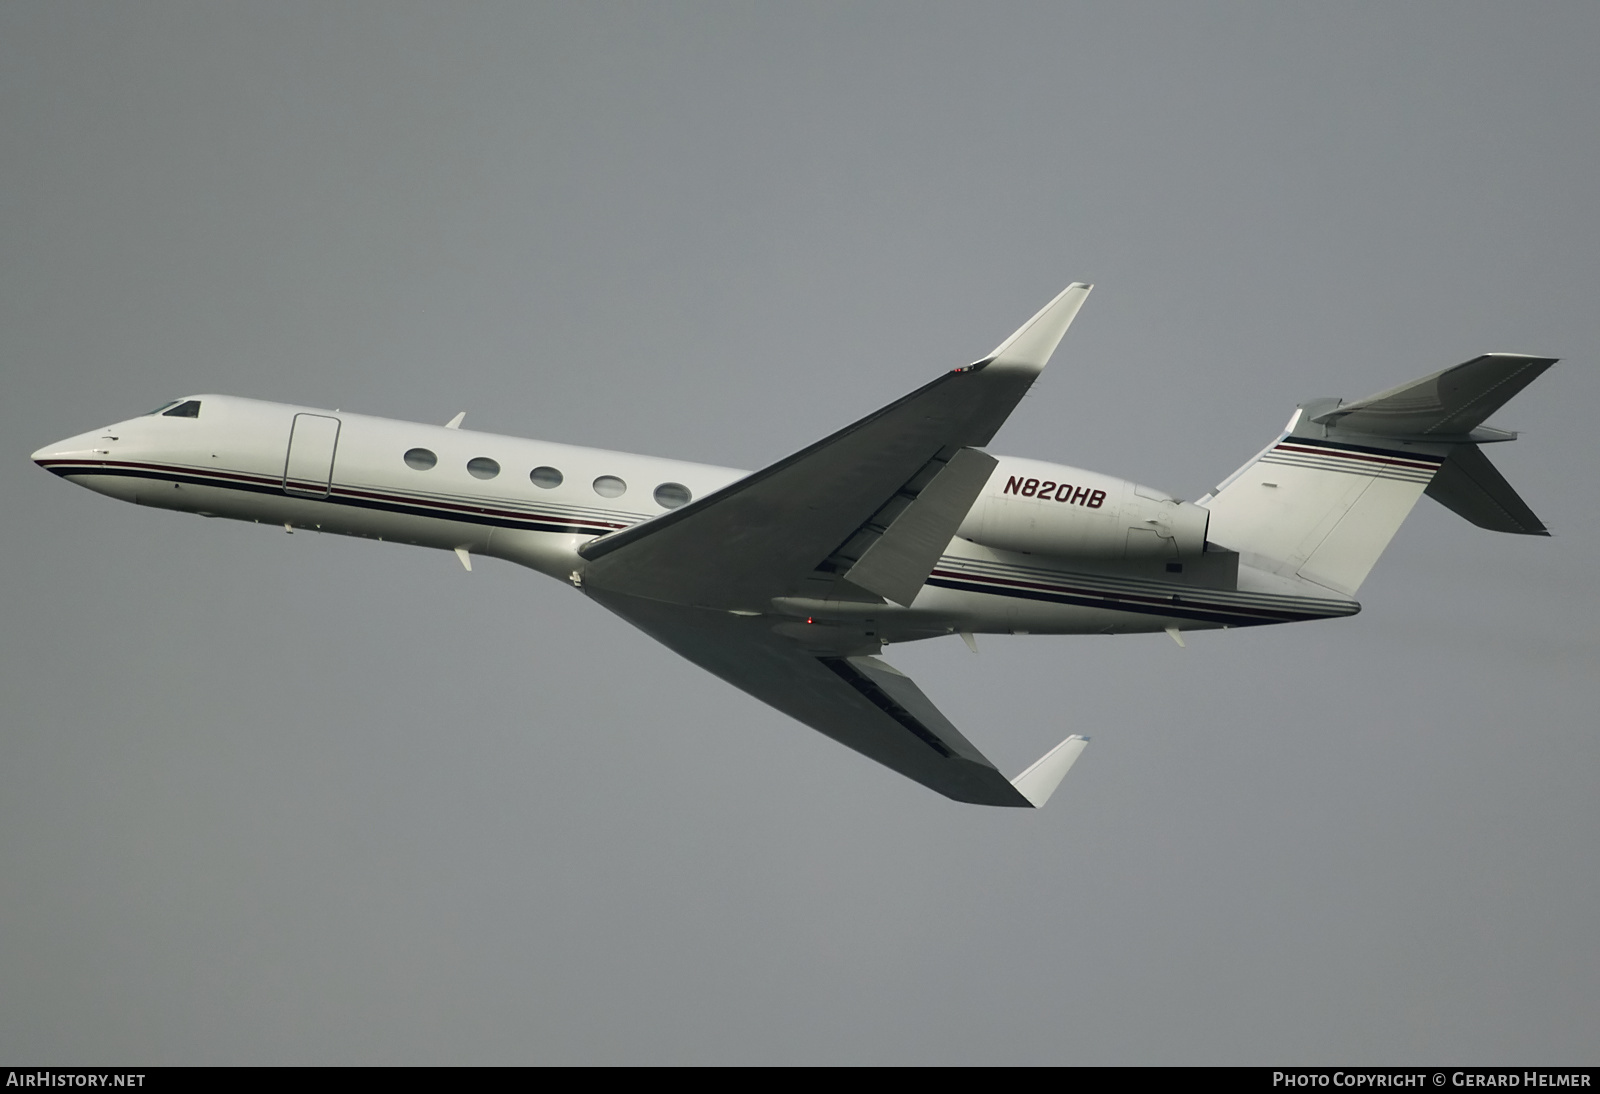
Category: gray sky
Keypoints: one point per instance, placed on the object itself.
(272, 799)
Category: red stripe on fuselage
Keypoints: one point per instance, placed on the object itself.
(443, 508)
(1395, 461)
(1129, 598)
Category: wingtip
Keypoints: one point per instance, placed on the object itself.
(1042, 777)
(1035, 341)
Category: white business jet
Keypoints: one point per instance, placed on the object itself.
(788, 582)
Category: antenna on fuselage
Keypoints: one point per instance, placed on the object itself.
(455, 423)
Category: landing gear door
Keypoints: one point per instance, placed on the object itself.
(308, 470)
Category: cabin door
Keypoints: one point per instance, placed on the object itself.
(308, 470)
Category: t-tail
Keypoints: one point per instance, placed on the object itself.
(1321, 502)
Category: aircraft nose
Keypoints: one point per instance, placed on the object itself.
(65, 449)
(47, 456)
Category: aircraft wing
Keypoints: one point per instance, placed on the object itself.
(860, 701)
(866, 511)
(875, 503)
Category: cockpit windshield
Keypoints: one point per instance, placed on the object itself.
(178, 408)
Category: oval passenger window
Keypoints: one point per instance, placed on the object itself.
(482, 467)
(547, 478)
(421, 459)
(609, 486)
(670, 495)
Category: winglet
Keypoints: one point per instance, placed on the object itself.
(1030, 348)
(1045, 774)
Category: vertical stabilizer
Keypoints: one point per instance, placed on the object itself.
(1323, 501)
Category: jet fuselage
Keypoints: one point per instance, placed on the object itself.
(1046, 549)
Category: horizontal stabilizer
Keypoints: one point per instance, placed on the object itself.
(1449, 403)
(1045, 774)
(1470, 485)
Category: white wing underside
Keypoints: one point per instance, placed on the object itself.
(862, 702)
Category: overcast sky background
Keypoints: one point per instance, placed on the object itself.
(298, 799)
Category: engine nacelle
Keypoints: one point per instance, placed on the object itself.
(1047, 509)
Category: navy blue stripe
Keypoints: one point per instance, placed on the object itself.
(1421, 457)
(530, 523)
(1242, 617)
